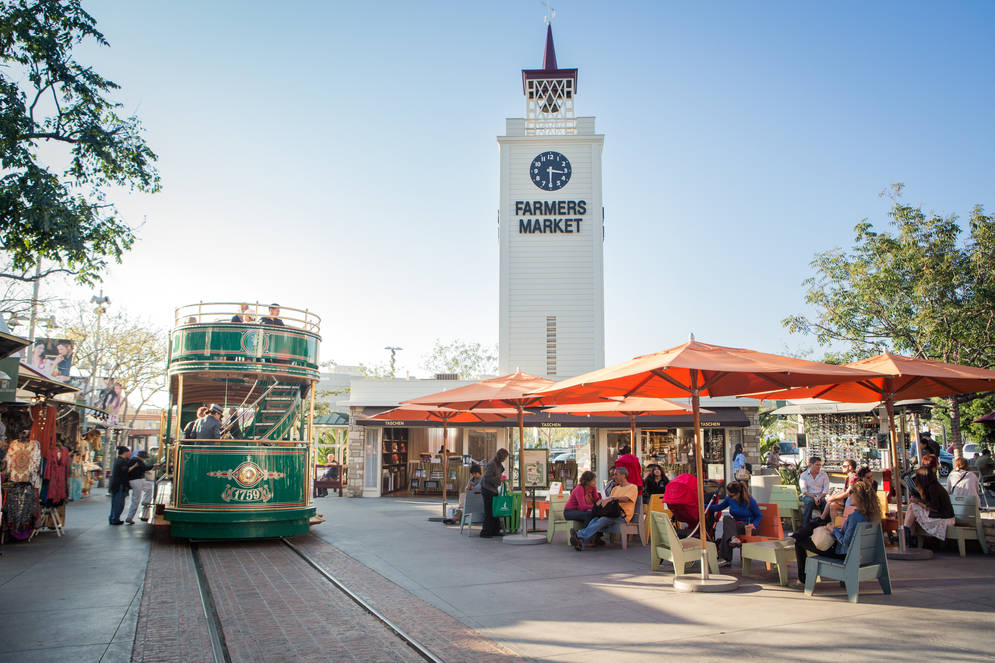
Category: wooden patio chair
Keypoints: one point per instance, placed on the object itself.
(865, 560)
(682, 553)
(967, 525)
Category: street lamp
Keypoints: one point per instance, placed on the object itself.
(393, 350)
(102, 302)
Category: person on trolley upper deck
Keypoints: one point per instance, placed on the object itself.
(243, 314)
(274, 316)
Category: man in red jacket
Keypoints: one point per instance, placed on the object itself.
(629, 461)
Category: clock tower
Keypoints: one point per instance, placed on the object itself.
(551, 230)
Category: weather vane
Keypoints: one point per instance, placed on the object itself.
(550, 14)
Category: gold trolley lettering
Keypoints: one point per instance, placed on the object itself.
(233, 494)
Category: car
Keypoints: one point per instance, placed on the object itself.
(971, 452)
(563, 456)
(946, 463)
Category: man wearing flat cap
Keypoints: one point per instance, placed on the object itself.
(209, 428)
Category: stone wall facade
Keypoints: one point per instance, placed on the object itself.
(356, 456)
(751, 437)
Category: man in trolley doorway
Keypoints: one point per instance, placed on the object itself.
(209, 428)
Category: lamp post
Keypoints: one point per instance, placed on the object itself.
(101, 302)
(393, 350)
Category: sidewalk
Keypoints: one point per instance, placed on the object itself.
(552, 603)
(73, 598)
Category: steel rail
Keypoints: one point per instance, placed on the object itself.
(219, 648)
(419, 648)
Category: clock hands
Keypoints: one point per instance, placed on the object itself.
(551, 171)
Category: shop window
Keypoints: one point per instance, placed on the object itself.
(371, 477)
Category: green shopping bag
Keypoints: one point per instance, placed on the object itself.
(502, 506)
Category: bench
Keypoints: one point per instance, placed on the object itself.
(967, 525)
(865, 560)
(664, 545)
(339, 479)
(788, 505)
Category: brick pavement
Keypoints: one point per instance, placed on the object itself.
(171, 621)
(274, 607)
(447, 637)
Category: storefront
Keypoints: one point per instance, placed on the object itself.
(403, 457)
(837, 432)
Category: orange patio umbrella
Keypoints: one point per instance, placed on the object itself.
(698, 369)
(632, 407)
(506, 391)
(899, 378)
(445, 415)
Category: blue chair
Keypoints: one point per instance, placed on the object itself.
(865, 560)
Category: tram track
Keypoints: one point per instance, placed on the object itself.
(215, 624)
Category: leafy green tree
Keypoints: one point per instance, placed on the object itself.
(469, 360)
(924, 289)
(63, 146)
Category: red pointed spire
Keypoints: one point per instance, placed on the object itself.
(549, 55)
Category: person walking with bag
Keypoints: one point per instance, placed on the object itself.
(490, 485)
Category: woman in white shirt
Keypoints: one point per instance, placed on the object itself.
(960, 482)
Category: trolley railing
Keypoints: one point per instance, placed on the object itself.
(247, 313)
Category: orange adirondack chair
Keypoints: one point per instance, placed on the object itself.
(770, 526)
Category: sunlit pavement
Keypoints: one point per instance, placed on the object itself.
(552, 603)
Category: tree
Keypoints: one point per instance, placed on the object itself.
(49, 102)
(924, 290)
(131, 351)
(471, 361)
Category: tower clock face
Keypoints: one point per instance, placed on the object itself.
(550, 171)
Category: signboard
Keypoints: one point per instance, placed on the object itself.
(51, 356)
(716, 472)
(232, 478)
(8, 378)
(536, 465)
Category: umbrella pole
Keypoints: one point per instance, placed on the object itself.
(896, 471)
(915, 436)
(696, 411)
(445, 465)
(521, 462)
(632, 432)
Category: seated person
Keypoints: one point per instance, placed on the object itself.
(580, 505)
(814, 484)
(841, 500)
(744, 517)
(609, 511)
(243, 314)
(610, 483)
(473, 483)
(985, 464)
(961, 482)
(655, 482)
(866, 510)
(929, 506)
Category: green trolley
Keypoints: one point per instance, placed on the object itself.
(259, 364)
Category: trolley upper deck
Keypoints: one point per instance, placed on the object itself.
(247, 338)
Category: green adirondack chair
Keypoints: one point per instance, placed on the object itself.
(786, 499)
(967, 525)
(865, 560)
(556, 522)
(682, 553)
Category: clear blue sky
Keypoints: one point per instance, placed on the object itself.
(342, 156)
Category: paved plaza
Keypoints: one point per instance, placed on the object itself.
(552, 603)
(485, 601)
